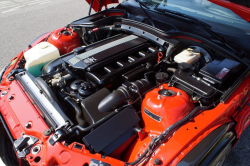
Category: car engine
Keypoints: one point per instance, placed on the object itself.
(112, 78)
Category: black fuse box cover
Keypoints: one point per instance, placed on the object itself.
(113, 133)
(218, 71)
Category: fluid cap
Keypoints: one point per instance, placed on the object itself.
(161, 77)
(75, 85)
(86, 88)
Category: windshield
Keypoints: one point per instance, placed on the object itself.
(203, 10)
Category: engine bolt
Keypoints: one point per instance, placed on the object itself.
(11, 97)
(157, 161)
(11, 78)
(159, 97)
(28, 125)
(47, 132)
(36, 149)
(4, 93)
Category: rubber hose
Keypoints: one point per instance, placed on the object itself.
(78, 111)
(83, 39)
(46, 89)
(64, 65)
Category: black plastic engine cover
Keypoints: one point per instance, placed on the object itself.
(105, 61)
(103, 51)
(90, 106)
(98, 54)
(113, 133)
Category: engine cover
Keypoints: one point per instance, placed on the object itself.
(163, 107)
(105, 61)
(104, 50)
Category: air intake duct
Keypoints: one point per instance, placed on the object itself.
(125, 93)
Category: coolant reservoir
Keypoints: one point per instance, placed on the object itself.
(38, 56)
(187, 56)
(163, 107)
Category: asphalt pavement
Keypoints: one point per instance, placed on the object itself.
(21, 21)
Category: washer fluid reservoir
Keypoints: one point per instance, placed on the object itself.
(163, 107)
(38, 56)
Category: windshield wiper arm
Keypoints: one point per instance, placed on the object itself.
(221, 39)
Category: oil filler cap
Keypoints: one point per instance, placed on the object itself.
(166, 92)
(161, 77)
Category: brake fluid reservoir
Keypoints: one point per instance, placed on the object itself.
(187, 56)
(163, 107)
(38, 56)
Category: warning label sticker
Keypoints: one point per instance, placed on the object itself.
(222, 73)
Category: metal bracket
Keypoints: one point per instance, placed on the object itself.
(13, 72)
(23, 145)
(58, 135)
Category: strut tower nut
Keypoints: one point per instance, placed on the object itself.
(166, 92)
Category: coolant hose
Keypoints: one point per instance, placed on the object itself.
(78, 111)
(64, 65)
(42, 85)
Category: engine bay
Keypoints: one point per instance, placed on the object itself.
(114, 80)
